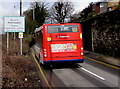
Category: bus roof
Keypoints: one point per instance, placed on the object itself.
(62, 24)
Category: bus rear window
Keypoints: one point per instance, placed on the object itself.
(62, 28)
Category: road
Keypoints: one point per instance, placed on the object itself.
(88, 74)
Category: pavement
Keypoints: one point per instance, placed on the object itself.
(103, 58)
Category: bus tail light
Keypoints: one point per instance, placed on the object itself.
(81, 50)
(81, 53)
(45, 53)
(49, 38)
(80, 35)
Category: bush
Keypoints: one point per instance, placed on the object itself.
(30, 40)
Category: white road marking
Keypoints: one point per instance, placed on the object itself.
(92, 73)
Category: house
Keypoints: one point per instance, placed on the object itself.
(104, 6)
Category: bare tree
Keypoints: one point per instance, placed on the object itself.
(61, 11)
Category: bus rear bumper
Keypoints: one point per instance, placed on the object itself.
(65, 61)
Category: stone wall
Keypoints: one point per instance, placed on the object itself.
(106, 33)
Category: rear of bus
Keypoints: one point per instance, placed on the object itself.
(63, 43)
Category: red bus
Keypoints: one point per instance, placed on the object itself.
(59, 43)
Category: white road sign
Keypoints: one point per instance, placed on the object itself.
(14, 24)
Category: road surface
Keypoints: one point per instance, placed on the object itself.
(88, 74)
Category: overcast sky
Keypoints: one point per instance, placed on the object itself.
(11, 7)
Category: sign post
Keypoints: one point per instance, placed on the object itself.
(14, 24)
(21, 46)
(7, 42)
(14, 40)
(20, 36)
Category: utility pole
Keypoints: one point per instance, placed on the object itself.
(20, 7)
(33, 14)
(92, 42)
(14, 35)
(21, 38)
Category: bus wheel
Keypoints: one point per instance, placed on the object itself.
(46, 66)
